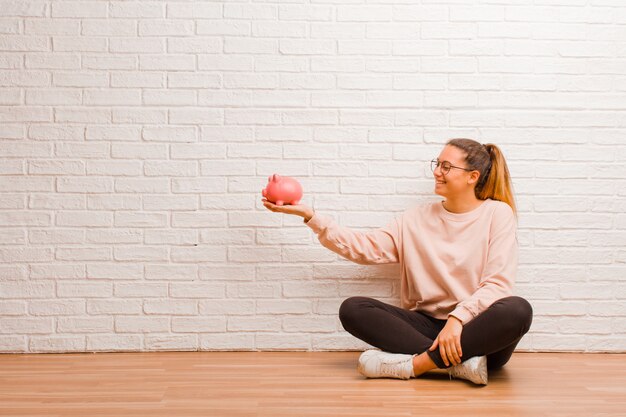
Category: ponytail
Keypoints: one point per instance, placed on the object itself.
(495, 180)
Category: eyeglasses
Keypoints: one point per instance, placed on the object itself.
(445, 166)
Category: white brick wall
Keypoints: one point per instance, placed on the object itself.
(135, 137)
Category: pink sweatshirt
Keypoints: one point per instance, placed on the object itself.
(452, 264)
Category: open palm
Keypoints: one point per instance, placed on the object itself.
(298, 209)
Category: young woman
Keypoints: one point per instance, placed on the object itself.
(458, 259)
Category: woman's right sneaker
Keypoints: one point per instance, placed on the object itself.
(378, 364)
(474, 369)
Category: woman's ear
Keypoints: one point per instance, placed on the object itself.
(473, 177)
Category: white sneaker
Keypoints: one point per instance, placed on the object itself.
(474, 369)
(378, 364)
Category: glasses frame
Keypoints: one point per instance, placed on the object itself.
(436, 162)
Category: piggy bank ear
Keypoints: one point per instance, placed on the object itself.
(275, 177)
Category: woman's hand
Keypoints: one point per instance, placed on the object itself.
(449, 341)
(299, 210)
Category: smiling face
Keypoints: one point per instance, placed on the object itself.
(456, 181)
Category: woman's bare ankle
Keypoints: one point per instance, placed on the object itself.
(422, 363)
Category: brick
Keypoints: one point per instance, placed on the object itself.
(248, 46)
(197, 44)
(83, 254)
(52, 26)
(170, 97)
(76, 289)
(110, 97)
(199, 325)
(198, 151)
(13, 237)
(194, 10)
(197, 290)
(141, 324)
(118, 307)
(144, 253)
(57, 344)
(22, 79)
(266, 341)
(132, 219)
(139, 150)
(82, 115)
(169, 342)
(193, 80)
(55, 96)
(113, 202)
(113, 133)
(25, 114)
(82, 150)
(85, 324)
(198, 254)
(139, 115)
(251, 11)
(174, 307)
(170, 168)
(172, 272)
(137, 45)
(172, 62)
(83, 218)
(56, 167)
(222, 27)
(10, 26)
(79, 9)
(16, 325)
(137, 79)
(24, 9)
(170, 237)
(28, 290)
(21, 43)
(169, 202)
(83, 79)
(364, 13)
(119, 62)
(115, 271)
(84, 184)
(170, 134)
(156, 27)
(21, 184)
(79, 44)
(108, 27)
(137, 9)
(52, 61)
(225, 62)
(141, 185)
(114, 236)
(194, 116)
(111, 343)
(56, 271)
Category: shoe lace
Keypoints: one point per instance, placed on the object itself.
(390, 368)
(459, 370)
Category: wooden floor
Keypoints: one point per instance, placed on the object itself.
(298, 384)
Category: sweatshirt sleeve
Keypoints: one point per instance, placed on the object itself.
(378, 246)
(499, 273)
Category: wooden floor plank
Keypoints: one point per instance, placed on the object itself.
(307, 384)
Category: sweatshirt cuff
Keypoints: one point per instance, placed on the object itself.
(462, 314)
(317, 223)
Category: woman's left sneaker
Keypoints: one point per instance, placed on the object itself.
(378, 364)
(474, 369)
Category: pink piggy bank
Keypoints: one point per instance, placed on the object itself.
(282, 190)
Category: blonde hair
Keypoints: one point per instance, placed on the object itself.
(495, 180)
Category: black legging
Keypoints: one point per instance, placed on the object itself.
(495, 332)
